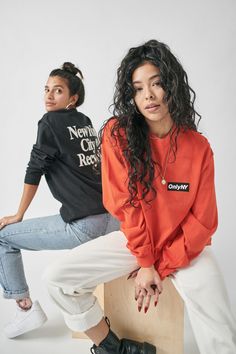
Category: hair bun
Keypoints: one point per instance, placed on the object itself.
(71, 68)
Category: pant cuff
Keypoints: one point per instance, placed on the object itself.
(86, 320)
(15, 296)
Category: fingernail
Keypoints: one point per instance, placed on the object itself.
(155, 303)
(139, 308)
(145, 309)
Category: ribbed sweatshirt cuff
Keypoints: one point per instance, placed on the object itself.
(35, 180)
(146, 261)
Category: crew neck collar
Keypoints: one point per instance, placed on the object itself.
(166, 136)
(63, 110)
(165, 140)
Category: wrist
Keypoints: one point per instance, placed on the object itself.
(149, 267)
(19, 215)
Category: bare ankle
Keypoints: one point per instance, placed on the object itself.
(24, 304)
(98, 332)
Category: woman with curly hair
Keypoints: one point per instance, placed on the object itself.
(158, 180)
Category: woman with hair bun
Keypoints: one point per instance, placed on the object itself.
(158, 180)
(65, 153)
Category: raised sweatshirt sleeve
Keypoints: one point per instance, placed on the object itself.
(115, 200)
(43, 154)
(197, 227)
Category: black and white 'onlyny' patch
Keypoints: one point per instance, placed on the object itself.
(178, 186)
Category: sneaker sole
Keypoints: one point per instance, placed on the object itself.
(35, 326)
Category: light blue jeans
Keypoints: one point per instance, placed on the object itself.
(46, 233)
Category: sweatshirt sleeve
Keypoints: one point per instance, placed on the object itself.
(115, 200)
(196, 228)
(43, 154)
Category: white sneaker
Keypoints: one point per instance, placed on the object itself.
(26, 321)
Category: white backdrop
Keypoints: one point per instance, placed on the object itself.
(38, 36)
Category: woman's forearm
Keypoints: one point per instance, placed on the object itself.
(27, 197)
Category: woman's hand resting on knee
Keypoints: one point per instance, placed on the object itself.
(148, 284)
(12, 219)
(26, 198)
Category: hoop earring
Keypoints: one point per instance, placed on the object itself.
(68, 106)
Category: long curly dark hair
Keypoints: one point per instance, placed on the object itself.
(179, 97)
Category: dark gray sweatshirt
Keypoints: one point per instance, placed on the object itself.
(65, 152)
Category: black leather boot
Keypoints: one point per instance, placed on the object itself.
(113, 345)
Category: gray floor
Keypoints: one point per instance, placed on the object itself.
(54, 337)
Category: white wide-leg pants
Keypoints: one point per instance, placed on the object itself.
(72, 280)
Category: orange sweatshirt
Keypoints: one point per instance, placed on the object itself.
(180, 221)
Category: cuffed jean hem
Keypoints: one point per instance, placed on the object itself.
(84, 321)
(15, 296)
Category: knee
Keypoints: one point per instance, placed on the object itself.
(59, 276)
(52, 275)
